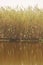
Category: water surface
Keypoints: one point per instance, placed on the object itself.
(18, 53)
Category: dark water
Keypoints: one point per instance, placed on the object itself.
(18, 53)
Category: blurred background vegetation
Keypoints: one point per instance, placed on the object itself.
(21, 24)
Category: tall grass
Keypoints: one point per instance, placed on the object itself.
(23, 24)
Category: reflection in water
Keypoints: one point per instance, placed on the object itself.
(21, 53)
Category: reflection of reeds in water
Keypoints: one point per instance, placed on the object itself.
(21, 54)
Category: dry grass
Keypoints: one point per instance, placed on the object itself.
(27, 24)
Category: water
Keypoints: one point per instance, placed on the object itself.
(18, 53)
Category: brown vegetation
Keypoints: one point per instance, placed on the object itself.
(27, 24)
